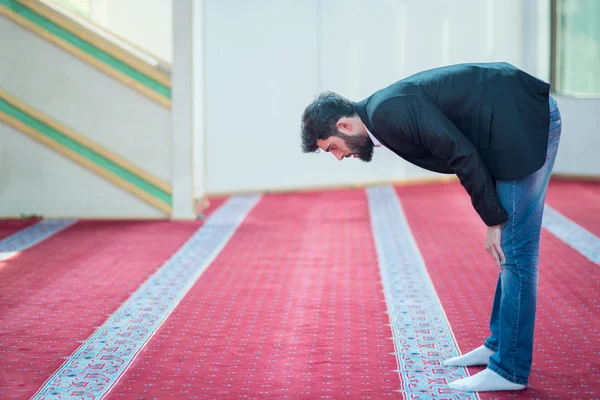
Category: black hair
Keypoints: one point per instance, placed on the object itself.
(320, 117)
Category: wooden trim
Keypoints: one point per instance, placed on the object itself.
(360, 185)
(160, 60)
(80, 15)
(124, 79)
(118, 181)
(87, 142)
(576, 177)
(97, 40)
(91, 217)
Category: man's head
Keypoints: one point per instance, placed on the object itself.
(330, 123)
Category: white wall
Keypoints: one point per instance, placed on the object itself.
(267, 59)
(536, 38)
(579, 149)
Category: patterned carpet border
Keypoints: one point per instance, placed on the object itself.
(421, 332)
(31, 236)
(97, 365)
(572, 234)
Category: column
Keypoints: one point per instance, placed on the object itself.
(198, 107)
(182, 112)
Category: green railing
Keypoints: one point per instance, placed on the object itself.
(85, 152)
(50, 24)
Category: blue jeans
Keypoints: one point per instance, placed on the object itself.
(513, 313)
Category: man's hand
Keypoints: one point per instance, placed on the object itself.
(493, 244)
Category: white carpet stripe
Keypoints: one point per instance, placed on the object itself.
(104, 357)
(574, 235)
(31, 236)
(421, 331)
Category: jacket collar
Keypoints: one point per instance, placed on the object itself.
(361, 110)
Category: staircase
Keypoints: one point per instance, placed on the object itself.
(85, 123)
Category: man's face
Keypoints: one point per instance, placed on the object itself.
(353, 141)
(345, 146)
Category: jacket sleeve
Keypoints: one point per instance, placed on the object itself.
(420, 121)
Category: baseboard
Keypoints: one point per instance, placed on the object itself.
(360, 185)
(88, 218)
(576, 177)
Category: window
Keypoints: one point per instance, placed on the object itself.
(576, 47)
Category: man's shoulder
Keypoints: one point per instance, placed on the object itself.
(392, 99)
(384, 107)
(394, 93)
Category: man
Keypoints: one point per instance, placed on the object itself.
(497, 128)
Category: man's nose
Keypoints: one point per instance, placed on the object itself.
(338, 154)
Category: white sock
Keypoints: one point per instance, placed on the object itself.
(485, 381)
(479, 356)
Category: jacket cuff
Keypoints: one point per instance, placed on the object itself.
(494, 214)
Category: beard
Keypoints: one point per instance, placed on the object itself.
(361, 145)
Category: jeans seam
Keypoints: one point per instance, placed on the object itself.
(512, 237)
(555, 128)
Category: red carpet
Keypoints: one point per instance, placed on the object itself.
(578, 201)
(11, 226)
(293, 305)
(53, 295)
(452, 237)
(292, 308)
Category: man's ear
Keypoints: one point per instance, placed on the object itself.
(344, 125)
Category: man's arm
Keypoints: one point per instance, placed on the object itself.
(421, 121)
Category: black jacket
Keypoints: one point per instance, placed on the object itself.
(482, 122)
